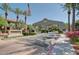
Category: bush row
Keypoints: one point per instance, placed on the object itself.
(30, 33)
(74, 37)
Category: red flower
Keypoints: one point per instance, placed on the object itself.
(70, 34)
(76, 33)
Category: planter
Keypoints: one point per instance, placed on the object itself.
(76, 47)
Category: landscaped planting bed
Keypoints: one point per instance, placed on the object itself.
(74, 38)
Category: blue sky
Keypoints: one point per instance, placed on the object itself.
(39, 11)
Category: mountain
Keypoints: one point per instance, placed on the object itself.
(46, 23)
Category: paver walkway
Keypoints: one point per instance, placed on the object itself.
(34, 46)
(12, 47)
(63, 47)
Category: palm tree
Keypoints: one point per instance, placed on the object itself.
(73, 16)
(77, 7)
(67, 7)
(17, 11)
(6, 8)
(71, 7)
(69, 12)
(27, 12)
(25, 16)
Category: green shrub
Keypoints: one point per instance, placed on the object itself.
(26, 33)
(3, 22)
(44, 31)
(75, 40)
(3, 31)
(60, 31)
(32, 33)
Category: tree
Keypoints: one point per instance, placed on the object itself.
(12, 25)
(68, 7)
(25, 16)
(17, 11)
(31, 28)
(27, 13)
(29, 10)
(71, 7)
(6, 8)
(73, 16)
(77, 25)
(21, 24)
(3, 22)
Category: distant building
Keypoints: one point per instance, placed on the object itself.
(13, 21)
(46, 23)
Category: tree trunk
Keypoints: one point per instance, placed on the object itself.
(17, 18)
(26, 22)
(69, 20)
(6, 14)
(17, 21)
(73, 17)
(25, 19)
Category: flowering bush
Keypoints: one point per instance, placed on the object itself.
(76, 33)
(69, 34)
(72, 34)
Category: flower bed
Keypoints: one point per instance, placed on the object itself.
(72, 34)
(74, 38)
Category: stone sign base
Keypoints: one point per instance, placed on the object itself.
(14, 33)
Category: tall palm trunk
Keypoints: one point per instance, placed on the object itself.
(17, 17)
(69, 12)
(26, 22)
(73, 17)
(6, 14)
(17, 21)
(25, 19)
